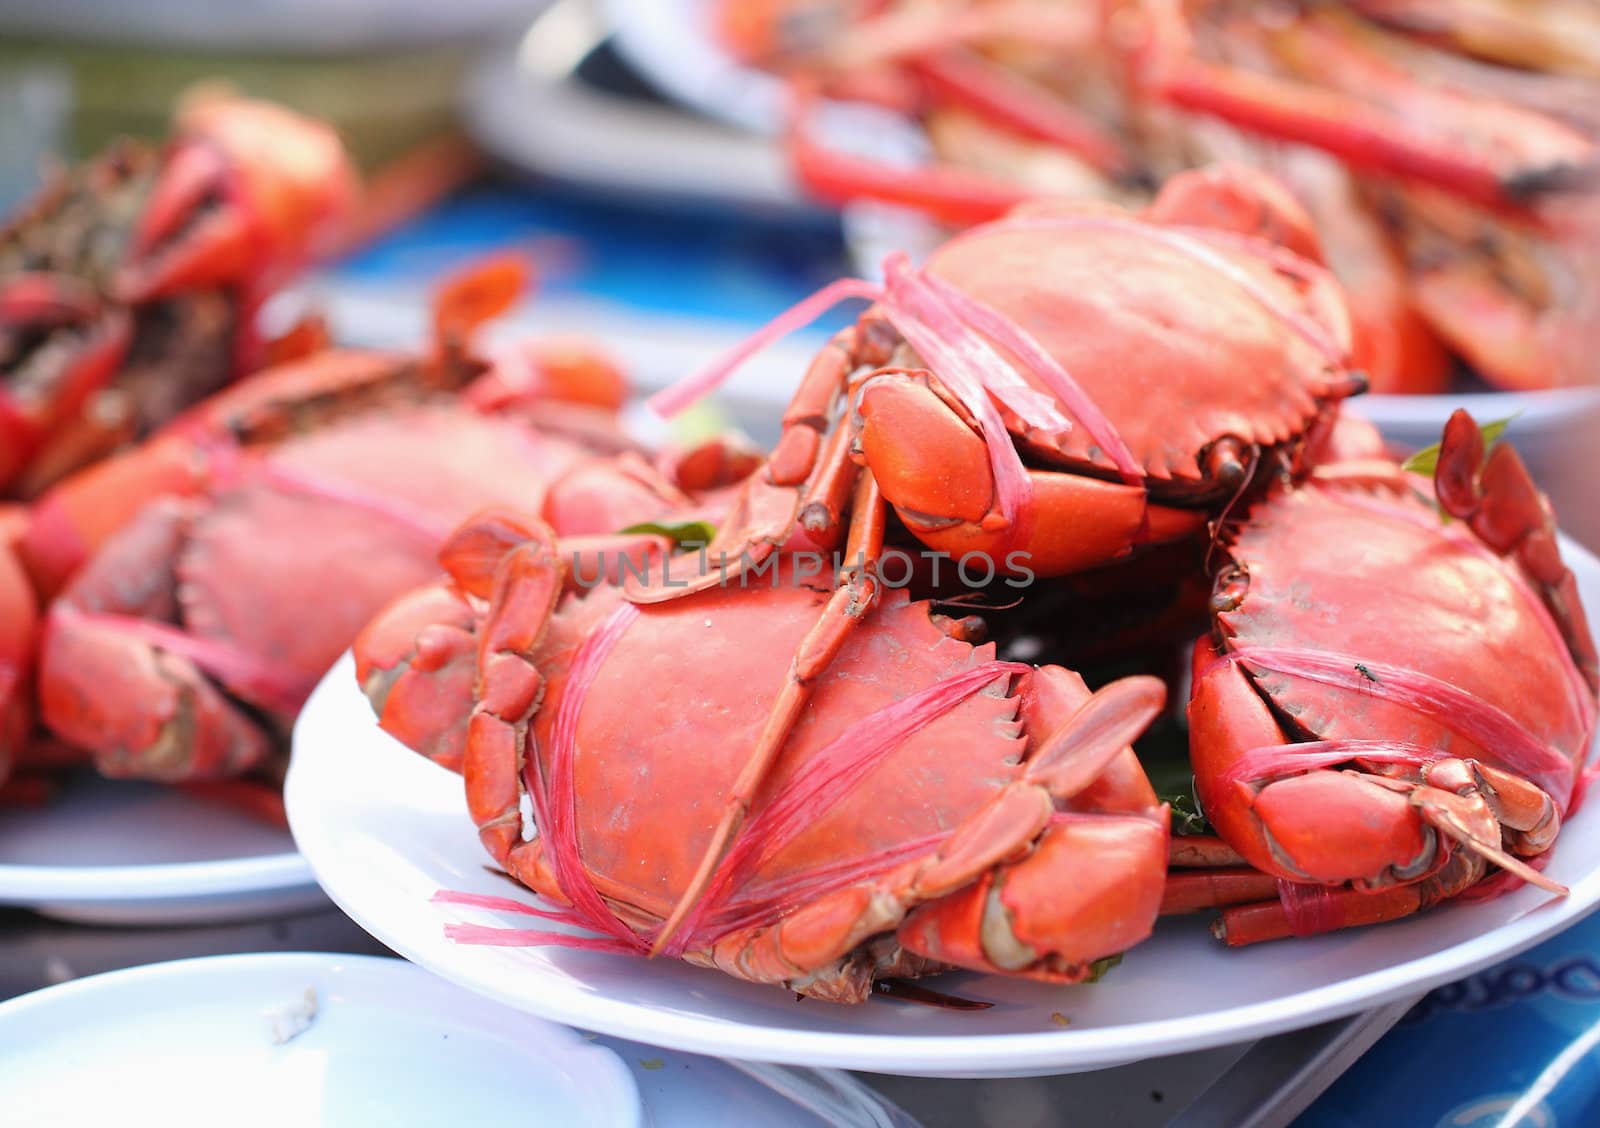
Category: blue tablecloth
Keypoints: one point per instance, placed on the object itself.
(1513, 1047)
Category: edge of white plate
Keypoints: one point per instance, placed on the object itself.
(405, 981)
(174, 881)
(669, 43)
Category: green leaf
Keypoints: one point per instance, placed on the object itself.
(700, 422)
(1426, 461)
(1187, 817)
(694, 533)
(651, 1063)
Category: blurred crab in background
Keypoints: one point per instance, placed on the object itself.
(1446, 149)
(177, 643)
(129, 286)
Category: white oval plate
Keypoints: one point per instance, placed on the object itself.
(289, 27)
(194, 1042)
(385, 829)
(128, 853)
(670, 43)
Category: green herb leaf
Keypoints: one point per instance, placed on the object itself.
(1426, 461)
(1187, 817)
(651, 1063)
(694, 533)
(700, 422)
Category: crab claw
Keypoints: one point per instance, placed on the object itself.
(1374, 830)
(417, 662)
(1235, 197)
(1496, 496)
(115, 680)
(248, 191)
(58, 346)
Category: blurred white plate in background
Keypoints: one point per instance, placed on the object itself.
(257, 27)
(124, 852)
(671, 43)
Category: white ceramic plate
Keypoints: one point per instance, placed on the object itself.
(670, 43)
(127, 853)
(385, 830)
(193, 1042)
(290, 27)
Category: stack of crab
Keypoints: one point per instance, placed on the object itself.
(184, 562)
(1448, 148)
(837, 781)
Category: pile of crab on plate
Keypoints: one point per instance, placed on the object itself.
(1079, 676)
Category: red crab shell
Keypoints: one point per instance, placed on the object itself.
(652, 770)
(1138, 322)
(1380, 575)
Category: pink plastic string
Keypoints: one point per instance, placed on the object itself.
(1468, 541)
(771, 901)
(560, 813)
(278, 687)
(229, 467)
(827, 778)
(1181, 240)
(485, 936)
(1270, 762)
(670, 401)
(1310, 909)
(965, 364)
(501, 905)
(555, 814)
(425, 525)
(1014, 338)
(1502, 740)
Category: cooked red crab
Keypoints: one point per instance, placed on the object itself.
(1393, 706)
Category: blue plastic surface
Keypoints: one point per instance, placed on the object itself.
(1516, 1046)
(739, 267)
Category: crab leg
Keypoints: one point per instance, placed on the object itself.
(805, 478)
(1497, 498)
(1560, 36)
(950, 195)
(850, 602)
(1017, 106)
(1189, 892)
(1365, 110)
(417, 660)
